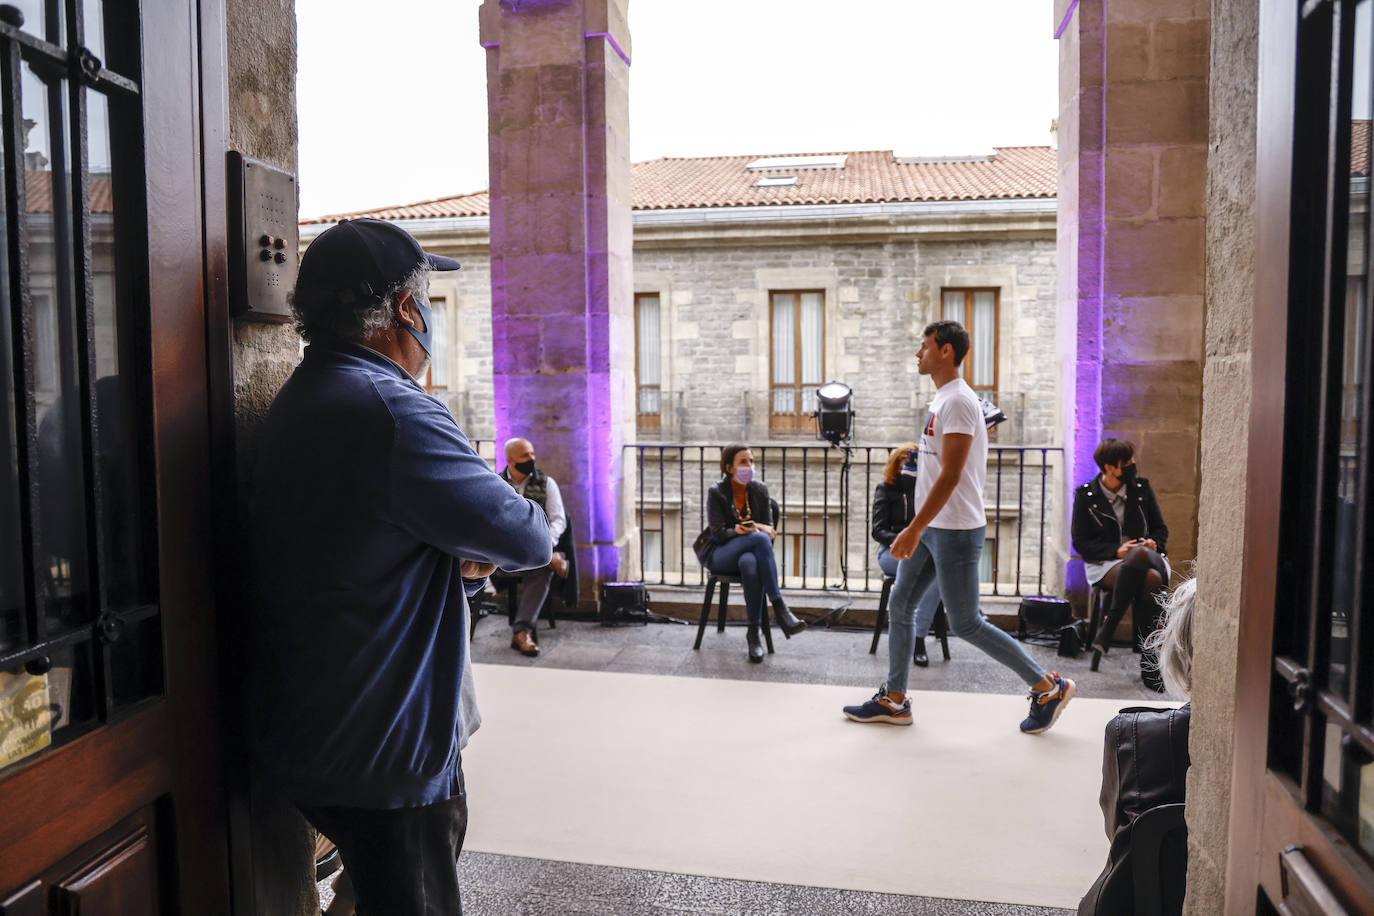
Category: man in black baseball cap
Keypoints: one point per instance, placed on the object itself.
(372, 520)
(363, 281)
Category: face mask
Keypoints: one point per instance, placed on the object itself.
(744, 474)
(909, 468)
(1128, 474)
(426, 336)
(525, 467)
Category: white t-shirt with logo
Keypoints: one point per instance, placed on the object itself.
(955, 410)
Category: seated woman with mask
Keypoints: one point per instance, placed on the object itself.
(1145, 765)
(738, 540)
(1119, 532)
(894, 506)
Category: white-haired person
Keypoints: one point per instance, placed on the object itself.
(1145, 764)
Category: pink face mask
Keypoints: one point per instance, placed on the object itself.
(744, 474)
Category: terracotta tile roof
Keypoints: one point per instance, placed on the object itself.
(726, 181)
(38, 191)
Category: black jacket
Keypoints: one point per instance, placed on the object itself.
(722, 517)
(1095, 532)
(1144, 765)
(894, 506)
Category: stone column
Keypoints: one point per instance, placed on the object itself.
(1132, 239)
(561, 282)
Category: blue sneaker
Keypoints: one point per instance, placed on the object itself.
(881, 709)
(1046, 707)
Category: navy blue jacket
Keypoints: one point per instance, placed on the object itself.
(365, 495)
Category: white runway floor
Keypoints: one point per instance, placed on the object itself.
(769, 782)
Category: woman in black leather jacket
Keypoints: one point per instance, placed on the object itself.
(738, 540)
(894, 506)
(1119, 532)
(1145, 764)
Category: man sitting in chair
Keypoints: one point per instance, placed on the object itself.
(534, 484)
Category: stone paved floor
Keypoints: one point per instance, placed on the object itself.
(496, 885)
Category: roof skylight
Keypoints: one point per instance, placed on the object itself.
(776, 181)
(798, 162)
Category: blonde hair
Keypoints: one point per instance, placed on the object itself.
(894, 462)
(1173, 642)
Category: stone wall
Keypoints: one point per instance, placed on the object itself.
(1225, 434)
(261, 37)
(714, 288)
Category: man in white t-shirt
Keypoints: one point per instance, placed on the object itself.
(945, 540)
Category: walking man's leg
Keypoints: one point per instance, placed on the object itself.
(956, 554)
(889, 704)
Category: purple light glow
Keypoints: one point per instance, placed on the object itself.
(609, 37)
(1064, 24)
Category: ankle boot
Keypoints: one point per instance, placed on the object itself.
(755, 647)
(920, 659)
(788, 621)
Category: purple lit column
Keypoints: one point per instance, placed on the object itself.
(562, 327)
(1131, 241)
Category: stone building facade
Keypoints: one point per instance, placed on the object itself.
(709, 266)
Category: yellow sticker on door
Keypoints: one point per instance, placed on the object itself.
(25, 716)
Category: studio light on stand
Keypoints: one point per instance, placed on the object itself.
(834, 413)
(835, 424)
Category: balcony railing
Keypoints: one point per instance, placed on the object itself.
(823, 533)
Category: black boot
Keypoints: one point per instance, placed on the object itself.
(786, 619)
(1129, 581)
(755, 647)
(920, 659)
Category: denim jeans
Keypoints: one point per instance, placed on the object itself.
(751, 557)
(929, 602)
(949, 558)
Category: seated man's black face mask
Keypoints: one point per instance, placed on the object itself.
(525, 467)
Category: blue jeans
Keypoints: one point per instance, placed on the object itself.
(949, 558)
(929, 602)
(751, 557)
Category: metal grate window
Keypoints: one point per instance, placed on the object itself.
(78, 580)
(1321, 732)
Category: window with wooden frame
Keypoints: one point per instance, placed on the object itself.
(800, 556)
(976, 309)
(436, 378)
(797, 358)
(648, 387)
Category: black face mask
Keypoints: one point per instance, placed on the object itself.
(1128, 474)
(526, 467)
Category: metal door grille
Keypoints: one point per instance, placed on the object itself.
(79, 592)
(1321, 736)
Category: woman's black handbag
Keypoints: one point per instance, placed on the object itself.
(703, 544)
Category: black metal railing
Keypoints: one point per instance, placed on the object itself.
(825, 499)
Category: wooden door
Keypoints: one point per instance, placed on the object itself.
(1302, 828)
(110, 788)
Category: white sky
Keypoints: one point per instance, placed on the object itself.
(393, 107)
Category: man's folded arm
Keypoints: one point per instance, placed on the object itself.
(445, 494)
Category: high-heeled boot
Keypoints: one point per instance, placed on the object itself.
(788, 621)
(755, 647)
(919, 658)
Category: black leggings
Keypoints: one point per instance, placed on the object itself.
(1134, 582)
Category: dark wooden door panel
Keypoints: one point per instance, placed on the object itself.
(122, 879)
(27, 901)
